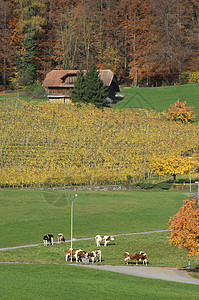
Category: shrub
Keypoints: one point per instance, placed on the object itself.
(164, 185)
(35, 90)
(160, 185)
(179, 111)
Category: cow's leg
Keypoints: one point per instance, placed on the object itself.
(67, 257)
(51, 241)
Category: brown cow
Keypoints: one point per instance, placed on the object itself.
(131, 256)
(95, 254)
(77, 253)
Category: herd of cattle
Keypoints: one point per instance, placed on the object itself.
(79, 254)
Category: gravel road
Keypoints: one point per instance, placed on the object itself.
(169, 274)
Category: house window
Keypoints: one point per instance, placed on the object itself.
(71, 80)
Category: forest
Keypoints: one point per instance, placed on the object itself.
(146, 43)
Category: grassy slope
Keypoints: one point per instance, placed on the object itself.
(60, 282)
(160, 98)
(158, 250)
(40, 212)
(27, 215)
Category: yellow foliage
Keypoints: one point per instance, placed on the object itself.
(59, 144)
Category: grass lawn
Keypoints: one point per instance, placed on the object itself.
(158, 250)
(160, 98)
(19, 96)
(26, 215)
(66, 282)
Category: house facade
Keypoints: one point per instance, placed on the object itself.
(59, 83)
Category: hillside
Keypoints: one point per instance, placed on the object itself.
(160, 98)
(59, 144)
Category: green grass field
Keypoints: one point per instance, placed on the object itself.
(61, 282)
(109, 212)
(160, 98)
(158, 250)
(26, 215)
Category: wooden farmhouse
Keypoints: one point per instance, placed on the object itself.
(59, 83)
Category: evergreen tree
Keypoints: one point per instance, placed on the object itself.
(95, 91)
(25, 64)
(77, 94)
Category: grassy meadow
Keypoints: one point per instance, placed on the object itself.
(160, 98)
(66, 282)
(159, 252)
(26, 215)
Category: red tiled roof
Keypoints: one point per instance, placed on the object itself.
(54, 78)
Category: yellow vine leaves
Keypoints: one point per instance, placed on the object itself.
(43, 143)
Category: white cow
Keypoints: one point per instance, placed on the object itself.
(104, 239)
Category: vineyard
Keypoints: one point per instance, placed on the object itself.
(44, 144)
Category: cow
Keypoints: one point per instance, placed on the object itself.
(60, 238)
(143, 257)
(132, 256)
(95, 254)
(48, 238)
(104, 239)
(77, 253)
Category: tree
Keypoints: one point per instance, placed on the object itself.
(184, 228)
(78, 91)
(180, 111)
(95, 91)
(170, 165)
(30, 23)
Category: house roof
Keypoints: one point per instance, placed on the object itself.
(55, 77)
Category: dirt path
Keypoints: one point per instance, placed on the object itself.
(82, 239)
(168, 274)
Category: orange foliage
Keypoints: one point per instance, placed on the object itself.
(184, 228)
(179, 111)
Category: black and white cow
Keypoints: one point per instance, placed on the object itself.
(48, 238)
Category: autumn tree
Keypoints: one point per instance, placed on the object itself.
(170, 165)
(6, 50)
(180, 111)
(184, 227)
